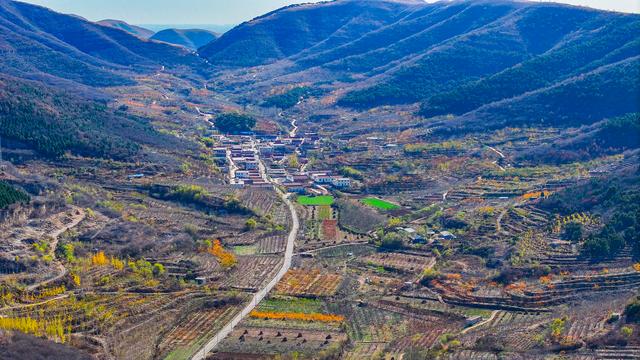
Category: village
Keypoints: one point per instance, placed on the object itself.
(249, 160)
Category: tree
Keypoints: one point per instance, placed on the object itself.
(68, 252)
(293, 161)
(251, 224)
(557, 327)
(9, 195)
(573, 231)
(632, 311)
(158, 269)
(99, 259)
(391, 241)
(234, 123)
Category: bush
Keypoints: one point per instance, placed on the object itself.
(428, 275)
(632, 311)
(605, 244)
(391, 241)
(572, 231)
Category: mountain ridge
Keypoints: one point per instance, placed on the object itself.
(191, 39)
(132, 29)
(450, 57)
(42, 44)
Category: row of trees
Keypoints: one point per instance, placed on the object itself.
(225, 258)
(296, 316)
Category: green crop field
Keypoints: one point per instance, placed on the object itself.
(379, 204)
(315, 200)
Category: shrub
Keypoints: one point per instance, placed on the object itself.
(632, 311)
(573, 231)
(251, 224)
(391, 241)
(291, 97)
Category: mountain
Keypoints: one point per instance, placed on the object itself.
(189, 38)
(51, 74)
(504, 60)
(131, 29)
(40, 44)
(215, 28)
(54, 122)
(294, 29)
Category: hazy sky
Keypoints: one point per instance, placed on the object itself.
(219, 11)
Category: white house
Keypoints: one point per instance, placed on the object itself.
(341, 182)
(323, 179)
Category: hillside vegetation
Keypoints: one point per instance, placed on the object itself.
(9, 195)
(487, 62)
(54, 123)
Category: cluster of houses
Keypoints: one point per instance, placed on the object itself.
(426, 237)
(242, 162)
(242, 156)
(309, 181)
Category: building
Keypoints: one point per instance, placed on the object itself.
(447, 235)
(341, 182)
(242, 174)
(250, 164)
(297, 178)
(277, 172)
(219, 152)
(266, 151)
(295, 188)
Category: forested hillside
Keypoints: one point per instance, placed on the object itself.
(9, 195)
(616, 200)
(54, 122)
(506, 61)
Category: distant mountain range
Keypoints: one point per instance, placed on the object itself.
(132, 29)
(40, 44)
(189, 38)
(471, 65)
(504, 60)
(215, 28)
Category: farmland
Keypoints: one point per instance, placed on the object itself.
(379, 204)
(315, 200)
(385, 184)
(454, 255)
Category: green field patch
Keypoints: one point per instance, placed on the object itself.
(379, 204)
(316, 200)
(245, 249)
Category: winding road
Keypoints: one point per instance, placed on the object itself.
(262, 293)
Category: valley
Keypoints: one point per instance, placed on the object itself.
(390, 180)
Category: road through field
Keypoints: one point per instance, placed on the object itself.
(262, 293)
